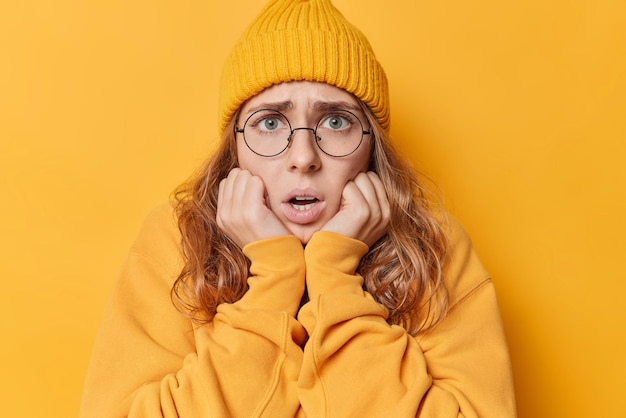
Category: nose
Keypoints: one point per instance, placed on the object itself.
(303, 154)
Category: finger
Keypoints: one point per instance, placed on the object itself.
(353, 198)
(372, 187)
(226, 185)
(238, 181)
(220, 195)
(224, 201)
(381, 194)
(248, 190)
(368, 190)
(228, 196)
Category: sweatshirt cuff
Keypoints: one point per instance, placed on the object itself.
(331, 263)
(277, 273)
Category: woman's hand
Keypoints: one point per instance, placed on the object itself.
(242, 211)
(364, 213)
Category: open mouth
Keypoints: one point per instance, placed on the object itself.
(303, 203)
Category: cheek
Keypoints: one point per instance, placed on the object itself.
(258, 166)
(360, 163)
(247, 160)
(242, 157)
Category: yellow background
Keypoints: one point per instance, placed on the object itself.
(516, 109)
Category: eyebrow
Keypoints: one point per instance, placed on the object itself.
(336, 105)
(317, 105)
(280, 106)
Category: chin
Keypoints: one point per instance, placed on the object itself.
(304, 239)
(304, 234)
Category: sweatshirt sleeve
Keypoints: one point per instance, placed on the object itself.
(356, 364)
(151, 361)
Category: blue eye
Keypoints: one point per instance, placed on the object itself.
(266, 122)
(336, 122)
(270, 123)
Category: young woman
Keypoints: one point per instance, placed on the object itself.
(304, 271)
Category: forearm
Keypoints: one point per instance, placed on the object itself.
(237, 370)
(355, 364)
(149, 363)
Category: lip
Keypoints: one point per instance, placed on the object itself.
(309, 211)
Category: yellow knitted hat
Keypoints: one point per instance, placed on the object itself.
(309, 40)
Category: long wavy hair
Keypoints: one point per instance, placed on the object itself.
(402, 271)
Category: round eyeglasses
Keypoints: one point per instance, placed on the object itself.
(268, 132)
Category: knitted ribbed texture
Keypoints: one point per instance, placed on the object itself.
(302, 40)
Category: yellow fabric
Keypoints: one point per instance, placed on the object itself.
(261, 357)
(302, 40)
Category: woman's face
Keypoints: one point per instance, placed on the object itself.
(303, 184)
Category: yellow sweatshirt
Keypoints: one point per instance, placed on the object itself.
(262, 357)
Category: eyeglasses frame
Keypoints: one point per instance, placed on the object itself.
(292, 130)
